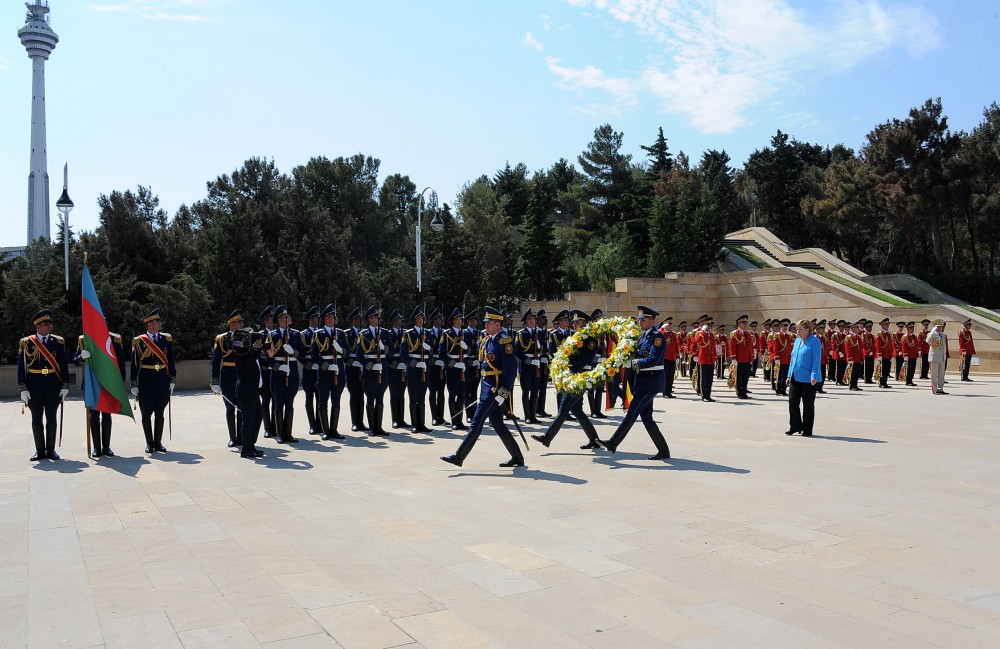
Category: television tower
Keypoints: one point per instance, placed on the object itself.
(39, 39)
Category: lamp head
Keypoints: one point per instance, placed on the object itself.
(437, 223)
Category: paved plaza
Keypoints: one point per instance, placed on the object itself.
(880, 532)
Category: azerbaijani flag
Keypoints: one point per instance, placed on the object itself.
(103, 387)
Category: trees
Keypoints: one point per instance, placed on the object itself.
(539, 260)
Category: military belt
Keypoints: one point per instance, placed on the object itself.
(372, 356)
(327, 358)
(652, 369)
(492, 372)
(228, 364)
(47, 370)
(155, 368)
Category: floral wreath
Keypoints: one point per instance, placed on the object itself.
(576, 383)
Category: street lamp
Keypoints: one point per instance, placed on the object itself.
(65, 206)
(437, 224)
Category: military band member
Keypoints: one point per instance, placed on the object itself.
(839, 337)
(884, 352)
(673, 350)
(542, 323)
(925, 364)
(474, 335)
(966, 347)
(854, 356)
(266, 320)
(397, 372)
(897, 341)
(499, 370)
(648, 382)
(834, 350)
(754, 337)
(741, 350)
(704, 349)
(527, 348)
(100, 422)
(153, 377)
(762, 349)
(783, 354)
(249, 356)
(417, 354)
(373, 350)
(452, 349)
(868, 339)
(582, 362)
(328, 352)
(42, 378)
(682, 334)
(224, 375)
(911, 352)
(310, 371)
(286, 351)
(355, 372)
(437, 381)
(820, 332)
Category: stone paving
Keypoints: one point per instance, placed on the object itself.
(879, 532)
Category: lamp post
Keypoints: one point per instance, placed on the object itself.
(65, 206)
(437, 224)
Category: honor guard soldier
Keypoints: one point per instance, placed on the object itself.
(499, 369)
(397, 372)
(310, 370)
(329, 347)
(911, 352)
(100, 422)
(582, 362)
(266, 321)
(42, 375)
(527, 348)
(883, 354)
(925, 348)
(669, 356)
(373, 350)
(741, 350)
(473, 335)
(595, 395)
(285, 345)
(153, 376)
(966, 347)
(868, 340)
(355, 372)
(452, 349)
(416, 354)
(560, 332)
(248, 351)
(704, 346)
(542, 325)
(648, 381)
(437, 381)
(224, 375)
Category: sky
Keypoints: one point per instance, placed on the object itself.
(171, 94)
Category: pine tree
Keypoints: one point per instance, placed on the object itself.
(538, 271)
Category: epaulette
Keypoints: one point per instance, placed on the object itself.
(169, 338)
(23, 342)
(80, 339)
(59, 339)
(117, 337)
(220, 337)
(505, 340)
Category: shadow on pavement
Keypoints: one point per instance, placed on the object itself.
(274, 458)
(178, 457)
(124, 465)
(673, 464)
(524, 473)
(60, 466)
(838, 438)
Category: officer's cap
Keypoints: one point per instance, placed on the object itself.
(356, 313)
(235, 316)
(939, 322)
(153, 315)
(925, 321)
(457, 313)
(492, 314)
(683, 323)
(472, 314)
(42, 316)
(562, 314)
(821, 323)
(280, 310)
(860, 323)
(395, 315)
(374, 311)
(417, 311)
(646, 312)
(742, 318)
(597, 313)
(785, 321)
(841, 323)
(436, 313)
(869, 323)
(330, 309)
(720, 327)
(968, 321)
(268, 312)
(527, 314)
(901, 324)
(884, 321)
(767, 322)
(541, 315)
(669, 319)
(910, 325)
(753, 323)
(579, 316)
(313, 312)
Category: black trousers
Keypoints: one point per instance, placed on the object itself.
(899, 367)
(753, 365)
(742, 378)
(869, 368)
(669, 369)
(925, 366)
(706, 372)
(967, 363)
(831, 368)
(911, 369)
(489, 410)
(804, 393)
(886, 371)
(251, 417)
(641, 407)
(44, 402)
(841, 368)
(100, 429)
(567, 405)
(857, 369)
(782, 377)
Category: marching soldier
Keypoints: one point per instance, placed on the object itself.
(329, 345)
(527, 348)
(397, 372)
(966, 347)
(648, 381)
(925, 348)
(266, 320)
(542, 324)
(499, 369)
(153, 377)
(673, 350)
(355, 372)
(883, 354)
(436, 382)
(741, 350)
(911, 353)
(100, 422)
(704, 350)
(452, 349)
(224, 375)
(473, 335)
(42, 378)
(416, 353)
(596, 394)
(310, 372)
(373, 351)
(286, 351)
(868, 340)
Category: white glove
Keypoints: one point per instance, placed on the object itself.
(376, 367)
(421, 365)
(545, 360)
(465, 346)
(704, 327)
(84, 354)
(459, 366)
(502, 395)
(336, 345)
(25, 396)
(439, 363)
(356, 364)
(216, 388)
(635, 364)
(536, 362)
(288, 348)
(381, 345)
(284, 368)
(601, 359)
(135, 390)
(500, 399)
(172, 386)
(427, 347)
(475, 363)
(334, 368)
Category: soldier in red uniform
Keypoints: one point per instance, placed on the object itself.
(704, 348)
(741, 350)
(682, 335)
(868, 339)
(765, 333)
(884, 353)
(820, 332)
(897, 341)
(839, 337)
(670, 355)
(783, 355)
(925, 348)
(966, 347)
(752, 327)
(911, 352)
(772, 352)
(833, 350)
(721, 352)
(854, 356)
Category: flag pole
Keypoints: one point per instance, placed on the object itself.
(87, 415)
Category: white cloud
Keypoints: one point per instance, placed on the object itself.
(5, 63)
(156, 9)
(725, 57)
(532, 42)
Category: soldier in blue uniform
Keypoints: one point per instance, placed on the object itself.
(527, 346)
(595, 395)
(436, 384)
(285, 345)
(355, 371)
(248, 356)
(328, 352)
(648, 382)
(473, 335)
(266, 320)
(542, 325)
(100, 422)
(499, 371)
(310, 370)
(415, 353)
(42, 378)
(453, 349)
(372, 350)
(153, 376)
(224, 375)
(397, 372)
(583, 362)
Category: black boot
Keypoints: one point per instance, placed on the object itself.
(377, 426)
(287, 426)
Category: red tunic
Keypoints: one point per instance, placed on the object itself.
(673, 349)
(883, 344)
(741, 346)
(853, 349)
(910, 346)
(704, 346)
(783, 347)
(965, 344)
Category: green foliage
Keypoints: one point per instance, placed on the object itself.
(863, 288)
(538, 269)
